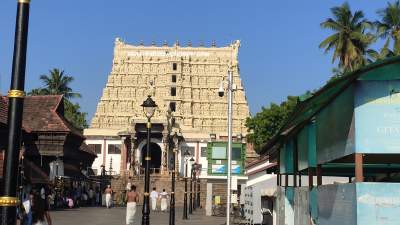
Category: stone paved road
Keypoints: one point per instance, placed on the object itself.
(116, 216)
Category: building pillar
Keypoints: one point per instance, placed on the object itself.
(124, 156)
(359, 167)
(164, 153)
(319, 175)
(209, 199)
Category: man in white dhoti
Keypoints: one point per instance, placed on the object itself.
(154, 196)
(108, 193)
(164, 203)
(132, 197)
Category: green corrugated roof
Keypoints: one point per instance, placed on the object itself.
(310, 106)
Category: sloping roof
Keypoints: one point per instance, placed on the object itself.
(3, 111)
(42, 114)
(305, 110)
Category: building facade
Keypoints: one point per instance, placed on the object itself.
(184, 79)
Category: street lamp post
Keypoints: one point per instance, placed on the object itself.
(8, 199)
(171, 122)
(230, 100)
(194, 167)
(149, 107)
(185, 216)
(198, 185)
(191, 189)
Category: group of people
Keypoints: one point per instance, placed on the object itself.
(162, 197)
(34, 209)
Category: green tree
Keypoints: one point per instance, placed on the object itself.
(350, 39)
(389, 24)
(266, 123)
(384, 53)
(73, 114)
(58, 83)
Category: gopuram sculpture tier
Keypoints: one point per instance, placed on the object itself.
(186, 79)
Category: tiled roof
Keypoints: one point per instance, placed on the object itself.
(3, 111)
(42, 114)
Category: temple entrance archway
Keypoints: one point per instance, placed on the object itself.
(155, 154)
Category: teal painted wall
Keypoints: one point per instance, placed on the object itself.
(286, 158)
(306, 145)
(336, 204)
(335, 128)
(377, 114)
(378, 203)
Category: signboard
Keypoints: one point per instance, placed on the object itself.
(236, 169)
(377, 117)
(234, 183)
(218, 168)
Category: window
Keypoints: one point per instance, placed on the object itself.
(173, 79)
(172, 106)
(173, 91)
(174, 66)
(96, 148)
(114, 149)
(219, 152)
(203, 152)
(236, 153)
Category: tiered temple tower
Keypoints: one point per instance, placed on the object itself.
(185, 79)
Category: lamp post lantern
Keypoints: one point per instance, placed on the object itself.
(149, 107)
(185, 216)
(8, 198)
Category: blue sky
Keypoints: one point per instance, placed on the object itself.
(279, 52)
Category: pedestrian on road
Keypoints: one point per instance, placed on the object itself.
(91, 196)
(164, 203)
(154, 196)
(132, 197)
(39, 211)
(108, 193)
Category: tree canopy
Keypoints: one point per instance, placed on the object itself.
(266, 123)
(58, 83)
(350, 39)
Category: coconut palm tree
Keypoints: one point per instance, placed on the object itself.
(57, 82)
(384, 53)
(350, 39)
(389, 24)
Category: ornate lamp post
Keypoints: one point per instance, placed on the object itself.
(185, 216)
(149, 107)
(198, 185)
(171, 122)
(194, 201)
(230, 101)
(191, 188)
(8, 199)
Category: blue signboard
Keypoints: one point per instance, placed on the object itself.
(377, 116)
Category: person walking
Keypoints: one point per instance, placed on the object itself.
(164, 203)
(154, 197)
(91, 196)
(132, 197)
(108, 193)
(39, 212)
